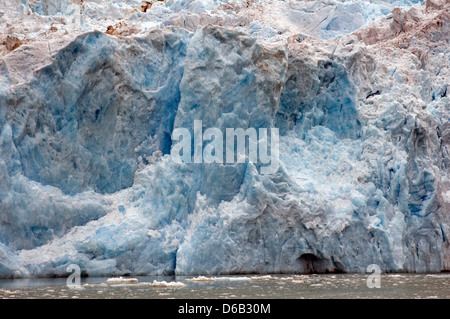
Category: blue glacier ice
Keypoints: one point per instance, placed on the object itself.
(90, 96)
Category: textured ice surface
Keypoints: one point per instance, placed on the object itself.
(90, 92)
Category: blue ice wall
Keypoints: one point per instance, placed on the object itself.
(86, 175)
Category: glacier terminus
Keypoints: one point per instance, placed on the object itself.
(92, 91)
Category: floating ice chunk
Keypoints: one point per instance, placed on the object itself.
(171, 284)
(232, 278)
(121, 280)
(201, 278)
(439, 276)
(266, 277)
(285, 278)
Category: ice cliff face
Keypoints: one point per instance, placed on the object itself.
(91, 92)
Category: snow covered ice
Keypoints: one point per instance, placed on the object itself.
(91, 91)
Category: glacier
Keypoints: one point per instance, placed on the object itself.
(91, 91)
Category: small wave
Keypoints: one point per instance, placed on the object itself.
(93, 285)
(74, 287)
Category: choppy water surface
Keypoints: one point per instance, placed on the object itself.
(270, 286)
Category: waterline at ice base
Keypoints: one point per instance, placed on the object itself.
(91, 93)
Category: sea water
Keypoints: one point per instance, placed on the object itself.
(348, 286)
